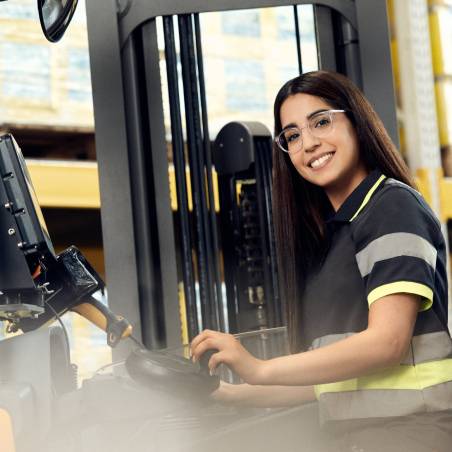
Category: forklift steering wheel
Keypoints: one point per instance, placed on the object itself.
(168, 372)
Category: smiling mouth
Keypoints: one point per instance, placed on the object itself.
(321, 161)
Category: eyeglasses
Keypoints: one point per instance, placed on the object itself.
(320, 125)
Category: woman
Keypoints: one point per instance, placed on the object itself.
(362, 264)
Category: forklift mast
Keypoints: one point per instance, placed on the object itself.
(131, 144)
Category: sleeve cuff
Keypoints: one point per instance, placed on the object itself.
(404, 287)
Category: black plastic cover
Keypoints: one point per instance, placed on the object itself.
(22, 203)
(71, 278)
(233, 150)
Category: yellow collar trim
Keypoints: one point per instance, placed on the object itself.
(368, 196)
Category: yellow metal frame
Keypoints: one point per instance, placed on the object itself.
(445, 191)
(423, 184)
(65, 184)
(71, 184)
(441, 77)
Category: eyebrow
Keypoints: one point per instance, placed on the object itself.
(312, 114)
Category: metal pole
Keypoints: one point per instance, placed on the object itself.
(350, 46)
(228, 222)
(111, 142)
(196, 167)
(152, 337)
(298, 38)
(181, 183)
(154, 243)
(261, 208)
(376, 65)
(265, 150)
(208, 166)
(326, 46)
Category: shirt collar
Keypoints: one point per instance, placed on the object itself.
(360, 196)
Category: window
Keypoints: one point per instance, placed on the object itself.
(241, 23)
(288, 72)
(19, 10)
(26, 71)
(286, 23)
(79, 80)
(80, 14)
(245, 85)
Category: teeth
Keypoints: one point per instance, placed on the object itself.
(318, 162)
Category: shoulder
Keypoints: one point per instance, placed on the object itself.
(395, 201)
(397, 207)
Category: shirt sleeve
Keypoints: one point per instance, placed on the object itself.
(396, 241)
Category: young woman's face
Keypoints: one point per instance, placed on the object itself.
(340, 168)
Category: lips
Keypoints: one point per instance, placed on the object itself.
(320, 160)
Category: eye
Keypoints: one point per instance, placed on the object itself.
(292, 135)
(321, 122)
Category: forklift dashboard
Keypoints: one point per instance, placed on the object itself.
(36, 285)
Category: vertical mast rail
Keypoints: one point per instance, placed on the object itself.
(180, 175)
(196, 168)
(218, 298)
(298, 38)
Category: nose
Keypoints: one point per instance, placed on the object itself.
(310, 141)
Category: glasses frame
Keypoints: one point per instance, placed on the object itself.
(331, 113)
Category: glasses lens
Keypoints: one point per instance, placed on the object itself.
(290, 140)
(321, 124)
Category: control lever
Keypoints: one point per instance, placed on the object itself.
(116, 326)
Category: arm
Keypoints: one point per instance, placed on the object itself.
(264, 396)
(382, 344)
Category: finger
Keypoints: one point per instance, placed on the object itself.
(199, 338)
(205, 345)
(215, 360)
(197, 341)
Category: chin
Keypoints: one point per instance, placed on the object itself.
(323, 180)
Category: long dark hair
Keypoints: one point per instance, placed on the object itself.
(299, 207)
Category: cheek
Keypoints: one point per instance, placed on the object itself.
(297, 162)
(350, 143)
(355, 155)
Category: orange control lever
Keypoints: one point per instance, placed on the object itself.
(116, 327)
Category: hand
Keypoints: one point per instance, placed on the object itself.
(225, 393)
(231, 353)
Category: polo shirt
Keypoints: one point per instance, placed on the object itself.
(384, 239)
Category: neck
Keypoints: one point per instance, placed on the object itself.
(340, 191)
